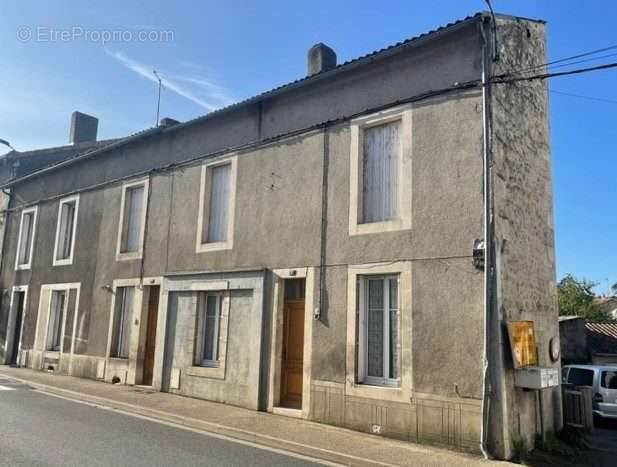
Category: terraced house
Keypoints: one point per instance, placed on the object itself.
(344, 248)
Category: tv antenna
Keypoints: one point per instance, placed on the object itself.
(158, 103)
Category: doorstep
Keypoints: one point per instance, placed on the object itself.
(299, 436)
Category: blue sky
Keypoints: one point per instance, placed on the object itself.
(212, 53)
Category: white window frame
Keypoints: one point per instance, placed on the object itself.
(127, 317)
(202, 222)
(362, 373)
(130, 255)
(27, 265)
(353, 386)
(64, 311)
(216, 370)
(356, 161)
(44, 315)
(69, 260)
(200, 331)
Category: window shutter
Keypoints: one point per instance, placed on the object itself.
(219, 204)
(26, 238)
(381, 149)
(135, 205)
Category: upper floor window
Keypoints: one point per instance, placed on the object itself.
(25, 242)
(132, 220)
(66, 230)
(216, 206)
(380, 172)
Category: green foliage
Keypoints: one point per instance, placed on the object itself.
(576, 298)
(614, 288)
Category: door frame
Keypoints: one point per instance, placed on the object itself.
(40, 337)
(10, 329)
(145, 325)
(276, 346)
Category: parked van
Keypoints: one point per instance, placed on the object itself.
(603, 381)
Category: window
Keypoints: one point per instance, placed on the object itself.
(380, 172)
(380, 190)
(56, 318)
(219, 204)
(132, 220)
(216, 206)
(208, 328)
(121, 331)
(65, 231)
(378, 330)
(580, 377)
(25, 240)
(609, 379)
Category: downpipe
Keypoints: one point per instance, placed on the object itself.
(486, 387)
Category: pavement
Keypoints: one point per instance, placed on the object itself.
(116, 421)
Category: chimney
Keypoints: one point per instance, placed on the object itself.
(83, 128)
(320, 58)
(167, 121)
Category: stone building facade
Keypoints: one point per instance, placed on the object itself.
(310, 251)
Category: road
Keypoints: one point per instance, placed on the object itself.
(37, 429)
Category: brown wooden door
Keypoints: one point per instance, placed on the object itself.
(293, 353)
(153, 309)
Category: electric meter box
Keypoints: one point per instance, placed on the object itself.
(535, 377)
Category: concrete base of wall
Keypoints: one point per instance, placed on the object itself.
(440, 421)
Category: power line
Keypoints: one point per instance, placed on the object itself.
(561, 60)
(500, 79)
(583, 61)
(582, 96)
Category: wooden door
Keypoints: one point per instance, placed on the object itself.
(153, 309)
(293, 353)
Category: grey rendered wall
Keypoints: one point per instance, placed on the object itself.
(526, 285)
(278, 224)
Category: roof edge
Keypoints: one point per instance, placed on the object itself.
(307, 80)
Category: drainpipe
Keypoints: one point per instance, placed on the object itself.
(488, 266)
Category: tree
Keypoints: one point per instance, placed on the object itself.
(576, 298)
(614, 289)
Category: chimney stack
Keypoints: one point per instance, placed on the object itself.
(167, 121)
(320, 58)
(83, 128)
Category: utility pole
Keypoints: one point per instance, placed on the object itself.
(158, 103)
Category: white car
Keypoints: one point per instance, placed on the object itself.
(603, 381)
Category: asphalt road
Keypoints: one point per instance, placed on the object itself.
(37, 429)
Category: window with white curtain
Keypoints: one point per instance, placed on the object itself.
(380, 172)
(218, 212)
(209, 308)
(56, 318)
(378, 330)
(26, 238)
(217, 199)
(121, 330)
(132, 219)
(65, 231)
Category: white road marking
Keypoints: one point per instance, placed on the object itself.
(203, 432)
(6, 388)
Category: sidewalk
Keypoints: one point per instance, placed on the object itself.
(299, 436)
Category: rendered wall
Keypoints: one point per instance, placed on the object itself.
(523, 205)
